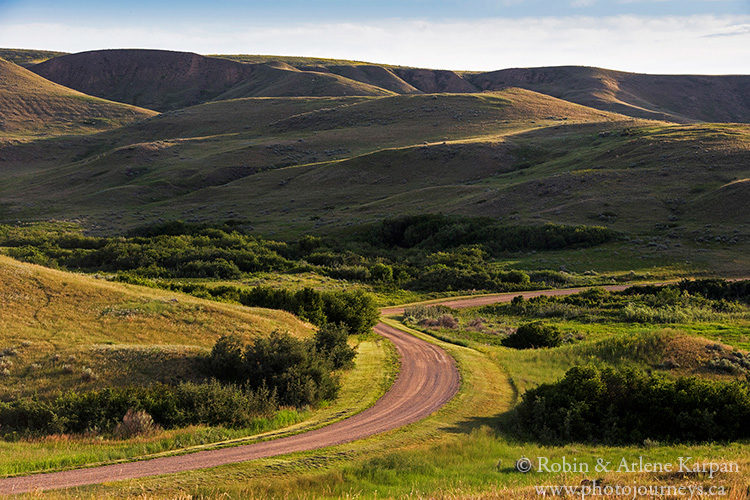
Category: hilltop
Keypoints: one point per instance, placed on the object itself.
(28, 57)
(165, 80)
(678, 98)
(31, 105)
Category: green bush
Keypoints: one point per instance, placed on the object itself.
(533, 336)
(331, 342)
(209, 403)
(441, 232)
(299, 372)
(618, 407)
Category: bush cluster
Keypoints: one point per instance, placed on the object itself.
(429, 252)
(209, 403)
(299, 372)
(533, 336)
(439, 232)
(355, 309)
(682, 303)
(629, 406)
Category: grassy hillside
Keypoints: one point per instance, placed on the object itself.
(293, 165)
(28, 57)
(33, 106)
(216, 143)
(56, 324)
(165, 80)
(679, 98)
(290, 165)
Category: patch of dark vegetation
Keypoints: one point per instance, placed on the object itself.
(687, 301)
(713, 289)
(103, 411)
(602, 405)
(440, 232)
(300, 372)
(533, 336)
(422, 253)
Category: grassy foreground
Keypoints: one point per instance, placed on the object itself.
(465, 450)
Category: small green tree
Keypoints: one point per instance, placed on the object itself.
(534, 335)
(331, 343)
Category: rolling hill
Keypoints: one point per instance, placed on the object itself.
(28, 57)
(59, 323)
(33, 106)
(212, 144)
(165, 80)
(294, 164)
(678, 98)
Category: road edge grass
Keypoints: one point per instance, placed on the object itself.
(379, 365)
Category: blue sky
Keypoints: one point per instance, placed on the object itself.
(667, 36)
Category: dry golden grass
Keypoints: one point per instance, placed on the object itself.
(61, 330)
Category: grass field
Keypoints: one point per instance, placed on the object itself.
(465, 450)
(67, 331)
(285, 171)
(671, 190)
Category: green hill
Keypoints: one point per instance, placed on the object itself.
(57, 324)
(165, 80)
(33, 106)
(28, 57)
(679, 98)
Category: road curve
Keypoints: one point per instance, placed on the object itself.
(428, 378)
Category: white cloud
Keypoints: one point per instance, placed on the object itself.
(582, 3)
(631, 43)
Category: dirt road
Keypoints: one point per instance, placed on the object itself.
(427, 379)
(483, 300)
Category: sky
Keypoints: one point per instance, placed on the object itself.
(651, 36)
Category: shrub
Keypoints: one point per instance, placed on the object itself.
(415, 314)
(534, 335)
(299, 372)
(227, 359)
(442, 232)
(447, 321)
(331, 342)
(629, 406)
(103, 410)
(135, 423)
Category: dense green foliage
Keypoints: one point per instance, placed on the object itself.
(430, 252)
(440, 232)
(628, 406)
(252, 381)
(688, 301)
(300, 372)
(713, 289)
(209, 403)
(354, 309)
(533, 336)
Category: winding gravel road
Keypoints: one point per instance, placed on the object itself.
(427, 379)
